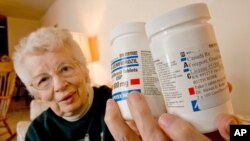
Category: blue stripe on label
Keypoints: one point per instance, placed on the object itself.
(127, 66)
(124, 58)
(183, 59)
(123, 95)
(186, 70)
(195, 105)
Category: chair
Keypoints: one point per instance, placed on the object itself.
(36, 108)
(7, 86)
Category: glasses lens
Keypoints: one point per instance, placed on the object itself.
(64, 70)
(42, 82)
(67, 70)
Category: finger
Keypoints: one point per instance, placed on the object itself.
(132, 126)
(117, 126)
(179, 130)
(230, 87)
(145, 122)
(223, 123)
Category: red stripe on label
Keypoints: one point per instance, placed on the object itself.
(191, 91)
(135, 81)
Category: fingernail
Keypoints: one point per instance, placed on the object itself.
(233, 121)
(110, 103)
(134, 97)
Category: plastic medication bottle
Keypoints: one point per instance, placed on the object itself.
(133, 69)
(189, 66)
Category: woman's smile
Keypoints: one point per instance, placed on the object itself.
(68, 99)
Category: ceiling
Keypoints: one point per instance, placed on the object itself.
(26, 9)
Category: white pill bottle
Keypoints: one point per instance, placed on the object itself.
(133, 69)
(189, 66)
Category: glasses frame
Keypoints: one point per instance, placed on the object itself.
(75, 62)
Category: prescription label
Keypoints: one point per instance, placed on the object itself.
(133, 71)
(193, 79)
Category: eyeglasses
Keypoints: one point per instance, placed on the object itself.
(45, 81)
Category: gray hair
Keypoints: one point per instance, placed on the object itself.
(46, 39)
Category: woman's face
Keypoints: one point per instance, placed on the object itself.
(59, 80)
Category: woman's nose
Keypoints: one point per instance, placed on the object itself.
(59, 83)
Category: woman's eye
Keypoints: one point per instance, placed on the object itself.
(66, 69)
(43, 80)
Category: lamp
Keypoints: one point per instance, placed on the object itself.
(93, 47)
(89, 47)
(97, 72)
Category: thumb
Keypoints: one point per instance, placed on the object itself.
(179, 130)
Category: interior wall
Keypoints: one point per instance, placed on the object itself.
(18, 28)
(230, 19)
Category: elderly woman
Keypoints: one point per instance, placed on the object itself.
(53, 69)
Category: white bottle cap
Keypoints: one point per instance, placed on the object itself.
(177, 16)
(125, 28)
